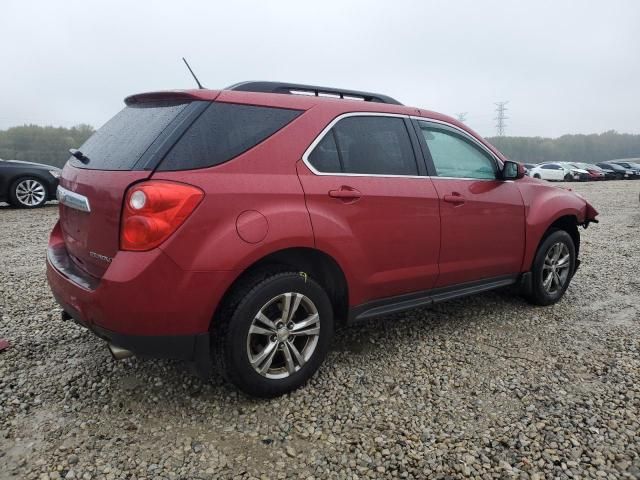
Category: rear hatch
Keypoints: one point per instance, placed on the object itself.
(124, 151)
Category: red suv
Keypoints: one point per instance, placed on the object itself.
(238, 227)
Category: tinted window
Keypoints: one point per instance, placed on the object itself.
(375, 145)
(119, 143)
(324, 157)
(455, 156)
(225, 131)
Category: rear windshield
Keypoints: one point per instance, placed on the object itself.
(122, 141)
(224, 131)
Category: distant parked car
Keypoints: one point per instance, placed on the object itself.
(558, 171)
(621, 172)
(633, 167)
(610, 173)
(595, 172)
(27, 184)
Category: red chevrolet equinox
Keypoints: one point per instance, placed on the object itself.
(236, 228)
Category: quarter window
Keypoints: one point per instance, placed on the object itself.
(455, 156)
(224, 131)
(374, 145)
(325, 157)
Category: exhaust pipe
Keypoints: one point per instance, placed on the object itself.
(119, 353)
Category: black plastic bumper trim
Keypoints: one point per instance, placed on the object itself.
(192, 348)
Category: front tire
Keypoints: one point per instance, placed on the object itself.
(553, 267)
(28, 192)
(273, 334)
(568, 178)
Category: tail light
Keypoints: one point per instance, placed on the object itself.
(153, 210)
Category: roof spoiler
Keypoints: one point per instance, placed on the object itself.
(314, 90)
(178, 95)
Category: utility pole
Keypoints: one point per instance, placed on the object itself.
(501, 108)
(462, 117)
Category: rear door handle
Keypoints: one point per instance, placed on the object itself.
(345, 193)
(454, 198)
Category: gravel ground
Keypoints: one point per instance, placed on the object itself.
(484, 387)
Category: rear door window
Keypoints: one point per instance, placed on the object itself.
(366, 145)
(224, 131)
(121, 142)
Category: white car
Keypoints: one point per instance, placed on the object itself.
(558, 171)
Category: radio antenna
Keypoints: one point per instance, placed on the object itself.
(193, 74)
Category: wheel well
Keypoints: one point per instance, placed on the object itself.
(568, 223)
(317, 264)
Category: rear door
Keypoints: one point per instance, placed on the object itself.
(482, 217)
(125, 150)
(372, 207)
(553, 171)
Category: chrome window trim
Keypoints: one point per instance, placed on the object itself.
(325, 130)
(72, 199)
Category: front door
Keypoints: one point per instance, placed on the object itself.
(482, 217)
(371, 208)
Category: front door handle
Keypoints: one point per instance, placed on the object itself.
(345, 193)
(454, 198)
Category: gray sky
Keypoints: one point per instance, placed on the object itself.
(565, 67)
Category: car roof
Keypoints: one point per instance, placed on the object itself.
(305, 102)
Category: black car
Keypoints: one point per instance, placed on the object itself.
(27, 184)
(619, 172)
(633, 167)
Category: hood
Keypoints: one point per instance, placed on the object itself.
(31, 164)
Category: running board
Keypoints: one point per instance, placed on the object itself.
(426, 298)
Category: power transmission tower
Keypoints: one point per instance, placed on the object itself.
(462, 116)
(501, 108)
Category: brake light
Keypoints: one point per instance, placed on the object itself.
(153, 210)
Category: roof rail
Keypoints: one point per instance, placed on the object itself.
(298, 89)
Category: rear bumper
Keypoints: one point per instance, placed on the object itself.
(180, 347)
(144, 302)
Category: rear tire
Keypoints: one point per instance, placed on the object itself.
(536, 175)
(273, 333)
(568, 177)
(552, 269)
(28, 192)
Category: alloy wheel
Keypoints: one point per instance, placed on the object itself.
(555, 270)
(30, 193)
(283, 335)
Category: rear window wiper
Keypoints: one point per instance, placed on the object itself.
(79, 155)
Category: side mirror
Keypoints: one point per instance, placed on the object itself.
(512, 170)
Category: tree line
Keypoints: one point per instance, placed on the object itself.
(592, 148)
(50, 145)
